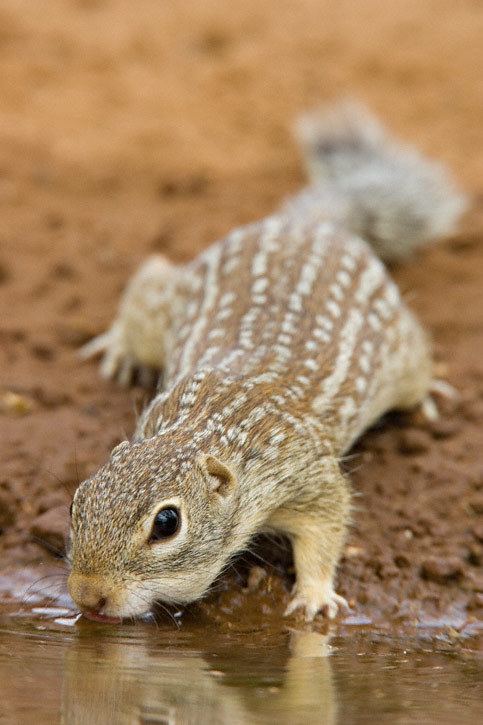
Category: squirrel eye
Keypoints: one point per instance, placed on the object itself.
(166, 524)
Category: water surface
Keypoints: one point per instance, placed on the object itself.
(58, 670)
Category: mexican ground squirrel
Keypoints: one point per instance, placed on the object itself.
(278, 347)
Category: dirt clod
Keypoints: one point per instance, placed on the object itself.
(475, 554)
(7, 513)
(477, 530)
(476, 601)
(441, 428)
(74, 335)
(50, 529)
(413, 441)
(476, 503)
(441, 570)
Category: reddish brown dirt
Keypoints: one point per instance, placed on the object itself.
(128, 128)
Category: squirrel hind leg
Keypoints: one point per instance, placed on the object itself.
(135, 345)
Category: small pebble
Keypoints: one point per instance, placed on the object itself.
(255, 577)
(14, 403)
(354, 551)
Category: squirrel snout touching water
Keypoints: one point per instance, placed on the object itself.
(172, 527)
(278, 346)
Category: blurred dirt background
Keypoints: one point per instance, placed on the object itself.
(132, 128)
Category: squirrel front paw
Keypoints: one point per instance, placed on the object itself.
(316, 598)
(117, 363)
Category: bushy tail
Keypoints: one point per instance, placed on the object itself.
(383, 191)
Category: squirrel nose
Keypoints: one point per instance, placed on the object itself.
(87, 593)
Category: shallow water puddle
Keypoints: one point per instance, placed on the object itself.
(71, 671)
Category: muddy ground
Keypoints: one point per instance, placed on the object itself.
(132, 128)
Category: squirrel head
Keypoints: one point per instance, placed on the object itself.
(155, 523)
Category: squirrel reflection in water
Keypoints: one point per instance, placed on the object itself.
(109, 680)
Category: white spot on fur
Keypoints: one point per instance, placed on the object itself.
(260, 285)
(325, 322)
(311, 364)
(336, 292)
(321, 335)
(344, 278)
(333, 308)
(361, 384)
(374, 322)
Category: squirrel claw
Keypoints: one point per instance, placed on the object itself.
(437, 388)
(325, 600)
(442, 389)
(99, 344)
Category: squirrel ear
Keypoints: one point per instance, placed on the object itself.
(220, 478)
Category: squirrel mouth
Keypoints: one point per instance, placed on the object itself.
(95, 617)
